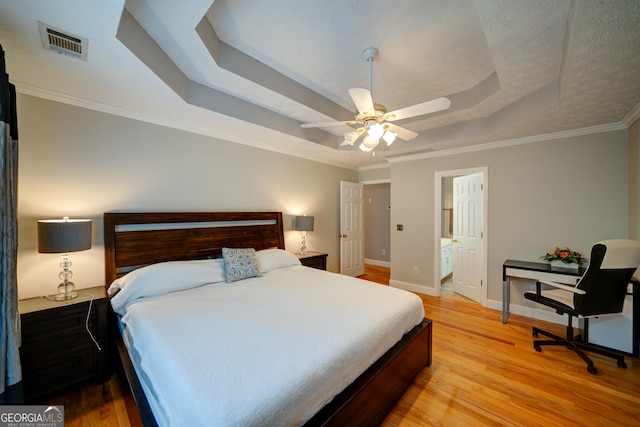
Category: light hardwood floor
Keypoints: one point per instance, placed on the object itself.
(484, 373)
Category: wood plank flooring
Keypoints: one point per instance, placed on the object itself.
(483, 373)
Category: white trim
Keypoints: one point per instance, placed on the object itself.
(376, 181)
(632, 117)
(27, 89)
(437, 206)
(378, 166)
(37, 92)
(511, 142)
(377, 262)
(533, 313)
(413, 287)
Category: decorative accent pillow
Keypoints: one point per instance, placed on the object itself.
(240, 264)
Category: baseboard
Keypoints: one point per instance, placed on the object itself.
(413, 287)
(533, 313)
(377, 262)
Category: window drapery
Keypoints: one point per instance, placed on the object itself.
(10, 371)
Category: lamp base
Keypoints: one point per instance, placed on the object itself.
(65, 289)
(303, 248)
(62, 296)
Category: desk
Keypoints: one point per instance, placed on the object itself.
(567, 276)
(534, 271)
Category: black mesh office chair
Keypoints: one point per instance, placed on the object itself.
(601, 290)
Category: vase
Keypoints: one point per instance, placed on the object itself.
(560, 264)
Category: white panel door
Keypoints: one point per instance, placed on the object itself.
(351, 229)
(467, 236)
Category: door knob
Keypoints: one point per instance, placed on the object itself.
(454, 240)
(342, 235)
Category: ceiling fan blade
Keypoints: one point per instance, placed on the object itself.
(324, 125)
(363, 101)
(403, 133)
(427, 107)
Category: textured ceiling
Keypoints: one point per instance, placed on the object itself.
(251, 71)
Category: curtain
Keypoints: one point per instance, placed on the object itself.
(10, 371)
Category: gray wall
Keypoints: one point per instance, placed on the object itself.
(634, 181)
(565, 192)
(375, 174)
(446, 201)
(377, 217)
(81, 163)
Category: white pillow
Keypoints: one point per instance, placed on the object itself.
(270, 259)
(161, 278)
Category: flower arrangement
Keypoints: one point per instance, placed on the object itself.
(566, 255)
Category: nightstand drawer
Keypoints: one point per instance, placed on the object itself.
(315, 262)
(51, 371)
(314, 259)
(78, 359)
(63, 329)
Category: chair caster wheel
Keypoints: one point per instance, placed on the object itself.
(622, 364)
(537, 348)
(592, 369)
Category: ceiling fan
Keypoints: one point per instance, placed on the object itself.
(374, 118)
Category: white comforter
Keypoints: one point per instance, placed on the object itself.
(268, 351)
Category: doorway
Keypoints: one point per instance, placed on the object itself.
(469, 277)
(377, 224)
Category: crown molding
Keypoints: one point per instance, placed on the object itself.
(510, 142)
(372, 167)
(632, 117)
(37, 92)
(27, 89)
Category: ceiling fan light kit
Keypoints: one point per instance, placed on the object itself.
(373, 118)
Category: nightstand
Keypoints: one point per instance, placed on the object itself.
(57, 350)
(313, 259)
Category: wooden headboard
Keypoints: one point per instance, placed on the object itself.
(133, 240)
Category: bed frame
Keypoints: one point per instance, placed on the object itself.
(133, 240)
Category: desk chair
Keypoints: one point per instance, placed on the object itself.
(601, 290)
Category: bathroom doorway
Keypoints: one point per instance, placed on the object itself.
(461, 225)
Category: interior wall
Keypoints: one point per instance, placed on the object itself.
(375, 174)
(634, 181)
(446, 224)
(563, 192)
(81, 163)
(377, 214)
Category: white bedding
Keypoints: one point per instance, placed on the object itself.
(270, 350)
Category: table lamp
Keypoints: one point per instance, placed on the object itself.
(63, 236)
(304, 224)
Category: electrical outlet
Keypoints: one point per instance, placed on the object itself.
(399, 227)
(415, 269)
(384, 252)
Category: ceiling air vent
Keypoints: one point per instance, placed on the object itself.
(62, 42)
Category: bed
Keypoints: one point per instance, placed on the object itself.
(308, 370)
